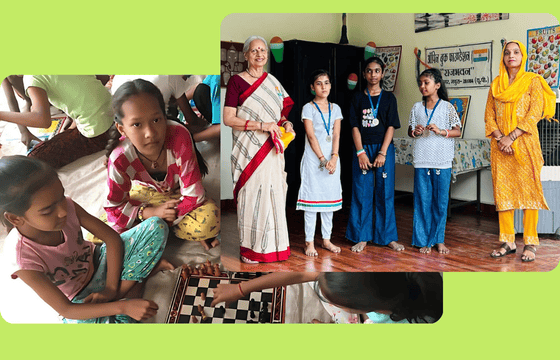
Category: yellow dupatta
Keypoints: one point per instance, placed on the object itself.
(510, 94)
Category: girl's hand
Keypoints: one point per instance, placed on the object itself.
(364, 162)
(418, 130)
(379, 160)
(271, 128)
(140, 309)
(226, 293)
(101, 297)
(166, 211)
(331, 165)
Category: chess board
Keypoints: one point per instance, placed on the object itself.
(250, 309)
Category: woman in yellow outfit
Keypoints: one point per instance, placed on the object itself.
(517, 101)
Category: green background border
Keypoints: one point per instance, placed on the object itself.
(485, 314)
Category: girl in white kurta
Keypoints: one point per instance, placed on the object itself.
(320, 190)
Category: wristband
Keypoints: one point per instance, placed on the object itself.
(360, 152)
(241, 290)
(380, 153)
(246, 124)
(141, 212)
(334, 154)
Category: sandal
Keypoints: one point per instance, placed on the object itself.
(505, 246)
(530, 248)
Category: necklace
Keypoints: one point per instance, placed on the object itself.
(154, 164)
(251, 75)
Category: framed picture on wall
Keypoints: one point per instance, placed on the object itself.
(461, 104)
(232, 61)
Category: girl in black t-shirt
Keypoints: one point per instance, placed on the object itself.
(374, 118)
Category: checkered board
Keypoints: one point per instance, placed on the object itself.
(188, 297)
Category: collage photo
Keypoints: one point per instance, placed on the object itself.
(332, 169)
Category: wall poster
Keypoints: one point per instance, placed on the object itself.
(463, 66)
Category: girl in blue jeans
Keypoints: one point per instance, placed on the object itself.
(433, 124)
(373, 118)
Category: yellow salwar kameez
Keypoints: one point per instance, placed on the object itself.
(516, 178)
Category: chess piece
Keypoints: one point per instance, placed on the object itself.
(217, 271)
(202, 314)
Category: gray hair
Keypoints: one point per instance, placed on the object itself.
(250, 40)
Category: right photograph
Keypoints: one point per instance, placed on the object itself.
(419, 142)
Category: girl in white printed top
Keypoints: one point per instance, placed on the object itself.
(320, 190)
(433, 123)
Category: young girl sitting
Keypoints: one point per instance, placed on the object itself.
(433, 124)
(413, 297)
(320, 190)
(159, 156)
(46, 249)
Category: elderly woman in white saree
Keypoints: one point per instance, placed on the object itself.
(256, 107)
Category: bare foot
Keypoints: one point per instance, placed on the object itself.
(310, 249)
(162, 265)
(425, 250)
(359, 247)
(210, 243)
(248, 261)
(327, 244)
(395, 246)
(442, 249)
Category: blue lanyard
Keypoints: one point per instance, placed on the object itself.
(324, 123)
(374, 110)
(433, 111)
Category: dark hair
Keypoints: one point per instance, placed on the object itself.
(318, 73)
(377, 60)
(21, 177)
(417, 297)
(435, 74)
(123, 94)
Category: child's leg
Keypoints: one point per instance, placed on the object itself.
(385, 221)
(201, 224)
(143, 247)
(310, 218)
(441, 180)
(67, 147)
(422, 219)
(360, 221)
(326, 231)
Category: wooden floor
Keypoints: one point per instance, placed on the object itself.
(470, 238)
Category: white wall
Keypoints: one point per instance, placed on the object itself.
(386, 30)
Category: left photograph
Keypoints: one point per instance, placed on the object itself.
(109, 190)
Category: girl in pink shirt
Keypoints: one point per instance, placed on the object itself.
(47, 251)
(153, 169)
